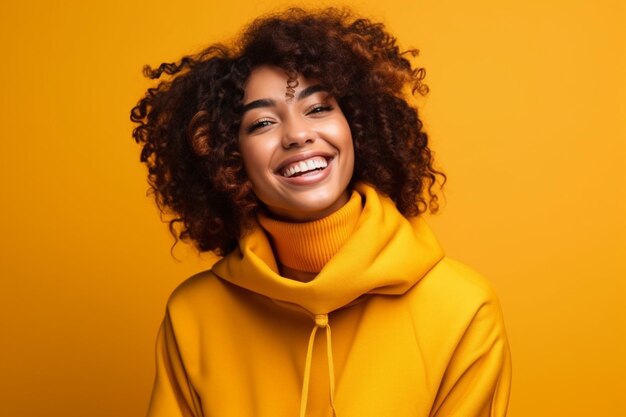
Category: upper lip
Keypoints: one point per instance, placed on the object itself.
(301, 157)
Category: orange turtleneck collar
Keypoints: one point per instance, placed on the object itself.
(309, 246)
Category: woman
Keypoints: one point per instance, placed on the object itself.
(295, 156)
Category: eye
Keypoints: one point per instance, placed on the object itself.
(319, 108)
(259, 124)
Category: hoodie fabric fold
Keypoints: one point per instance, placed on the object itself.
(414, 333)
(386, 254)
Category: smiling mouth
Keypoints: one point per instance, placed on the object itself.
(305, 167)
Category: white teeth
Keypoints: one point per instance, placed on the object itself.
(305, 166)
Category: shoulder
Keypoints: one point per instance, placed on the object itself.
(455, 293)
(456, 281)
(194, 294)
(453, 305)
(194, 309)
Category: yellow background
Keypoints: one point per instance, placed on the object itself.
(527, 115)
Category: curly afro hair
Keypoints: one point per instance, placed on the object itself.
(188, 124)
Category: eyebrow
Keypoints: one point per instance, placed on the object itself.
(268, 102)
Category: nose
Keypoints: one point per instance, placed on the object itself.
(297, 133)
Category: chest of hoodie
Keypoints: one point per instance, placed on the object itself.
(245, 354)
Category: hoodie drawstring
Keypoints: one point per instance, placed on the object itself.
(321, 320)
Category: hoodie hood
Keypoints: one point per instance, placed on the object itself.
(386, 254)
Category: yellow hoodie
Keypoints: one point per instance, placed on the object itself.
(414, 333)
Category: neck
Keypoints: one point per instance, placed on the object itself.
(303, 249)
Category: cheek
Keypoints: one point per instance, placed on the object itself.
(252, 157)
(347, 144)
(349, 172)
(248, 161)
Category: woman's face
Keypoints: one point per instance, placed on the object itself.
(298, 151)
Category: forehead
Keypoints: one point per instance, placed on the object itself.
(269, 82)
